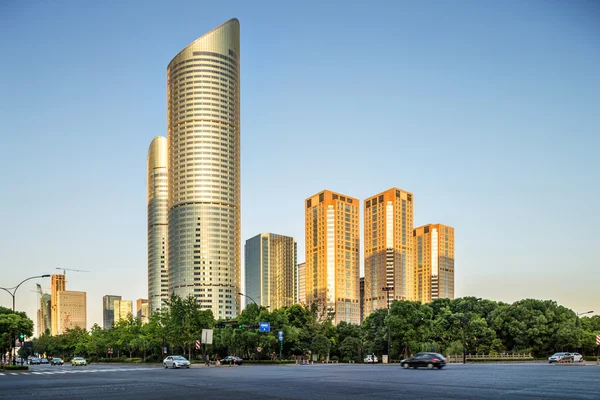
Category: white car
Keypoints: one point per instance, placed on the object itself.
(565, 357)
(371, 359)
(176, 362)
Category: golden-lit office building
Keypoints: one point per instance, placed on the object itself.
(203, 122)
(301, 286)
(158, 228)
(434, 260)
(332, 222)
(388, 248)
(57, 284)
(142, 310)
(123, 309)
(270, 265)
(72, 310)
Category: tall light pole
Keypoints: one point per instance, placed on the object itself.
(245, 295)
(464, 328)
(13, 294)
(579, 322)
(387, 290)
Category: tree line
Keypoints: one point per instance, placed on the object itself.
(539, 327)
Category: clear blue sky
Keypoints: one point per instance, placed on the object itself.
(487, 111)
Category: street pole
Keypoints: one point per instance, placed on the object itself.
(13, 294)
(387, 290)
(245, 295)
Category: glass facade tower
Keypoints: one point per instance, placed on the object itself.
(203, 122)
(158, 275)
(271, 278)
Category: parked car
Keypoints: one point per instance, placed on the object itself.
(78, 361)
(429, 360)
(565, 357)
(176, 362)
(56, 361)
(231, 360)
(371, 358)
(44, 361)
(34, 361)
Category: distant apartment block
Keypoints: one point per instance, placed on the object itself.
(301, 287)
(123, 309)
(72, 310)
(57, 284)
(332, 222)
(434, 258)
(388, 248)
(143, 310)
(270, 264)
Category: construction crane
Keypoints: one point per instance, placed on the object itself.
(64, 270)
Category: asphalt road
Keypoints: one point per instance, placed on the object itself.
(472, 381)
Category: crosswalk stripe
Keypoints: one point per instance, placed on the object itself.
(37, 373)
(14, 373)
(1, 374)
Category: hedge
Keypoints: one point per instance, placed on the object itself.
(16, 367)
(269, 362)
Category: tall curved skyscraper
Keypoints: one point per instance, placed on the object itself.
(203, 120)
(158, 274)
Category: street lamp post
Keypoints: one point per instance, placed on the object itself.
(464, 328)
(13, 295)
(245, 295)
(579, 323)
(387, 290)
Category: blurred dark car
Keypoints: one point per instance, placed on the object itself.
(231, 360)
(56, 361)
(425, 360)
(44, 361)
(34, 361)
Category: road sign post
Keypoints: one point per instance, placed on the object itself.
(280, 343)
(597, 349)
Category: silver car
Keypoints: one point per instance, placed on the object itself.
(176, 362)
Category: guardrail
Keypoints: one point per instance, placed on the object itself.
(458, 358)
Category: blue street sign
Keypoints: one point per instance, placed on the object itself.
(264, 327)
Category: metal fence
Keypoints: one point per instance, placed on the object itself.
(458, 358)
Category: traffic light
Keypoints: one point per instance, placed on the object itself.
(21, 337)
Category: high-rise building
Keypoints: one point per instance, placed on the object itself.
(123, 309)
(332, 256)
(72, 310)
(142, 307)
(158, 228)
(203, 122)
(301, 288)
(270, 261)
(44, 312)
(57, 284)
(108, 310)
(388, 248)
(434, 260)
(362, 299)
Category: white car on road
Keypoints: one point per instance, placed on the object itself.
(565, 357)
(176, 362)
(371, 359)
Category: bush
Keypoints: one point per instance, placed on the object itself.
(16, 367)
(115, 360)
(269, 362)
